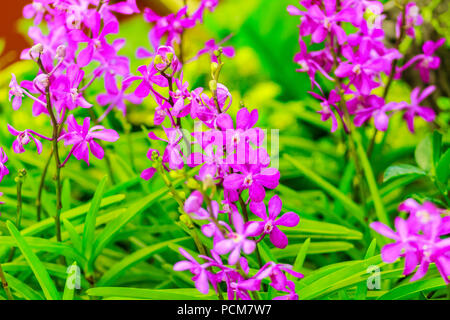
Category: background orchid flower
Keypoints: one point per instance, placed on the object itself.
(81, 137)
(24, 137)
(3, 159)
(414, 108)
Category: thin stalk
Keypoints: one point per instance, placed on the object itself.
(391, 75)
(55, 135)
(41, 187)
(350, 129)
(5, 284)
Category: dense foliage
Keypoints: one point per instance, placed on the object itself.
(188, 168)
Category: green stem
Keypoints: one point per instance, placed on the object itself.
(5, 284)
(41, 187)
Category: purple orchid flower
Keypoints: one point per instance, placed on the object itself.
(414, 108)
(276, 273)
(15, 91)
(270, 223)
(360, 68)
(413, 18)
(24, 137)
(82, 138)
(237, 240)
(211, 46)
(115, 97)
(200, 272)
(65, 88)
(252, 177)
(426, 61)
(3, 159)
(329, 107)
(150, 76)
(98, 42)
(148, 173)
(36, 9)
(172, 154)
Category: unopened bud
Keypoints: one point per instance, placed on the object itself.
(213, 85)
(192, 184)
(61, 52)
(158, 59)
(37, 48)
(187, 221)
(42, 81)
(214, 67)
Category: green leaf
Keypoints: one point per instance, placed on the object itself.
(351, 207)
(66, 195)
(131, 260)
(424, 153)
(36, 265)
(437, 147)
(137, 293)
(301, 256)
(317, 229)
(314, 248)
(112, 228)
(402, 170)
(74, 237)
(89, 223)
(414, 288)
(443, 168)
(22, 289)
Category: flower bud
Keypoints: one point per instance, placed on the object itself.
(37, 48)
(214, 67)
(192, 184)
(60, 52)
(187, 221)
(42, 81)
(158, 60)
(213, 85)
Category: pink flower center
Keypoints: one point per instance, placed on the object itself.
(357, 69)
(424, 216)
(248, 181)
(38, 7)
(74, 94)
(268, 227)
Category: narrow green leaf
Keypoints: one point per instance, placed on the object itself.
(22, 289)
(414, 288)
(301, 256)
(89, 223)
(137, 293)
(74, 237)
(351, 207)
(36, 265)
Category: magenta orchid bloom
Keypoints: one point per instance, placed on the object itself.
(200, 272)
(150, 76)
(172, 155)
(3, 159)
(81, 137)
(422, 239)
(426, 61)
(211, 46)
(413, 18)
(276, 273)
(270, 223)
(65, 88)
(237, 240)
(15, 91)
(414, 108)
(24, 138)
(96, 44)
(115, 97)
(329, 107)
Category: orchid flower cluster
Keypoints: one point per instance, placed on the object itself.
(421, 239)
(230, 157)
(76, 41)
(357, 63)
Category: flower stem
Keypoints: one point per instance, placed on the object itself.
(245, 213)
(5, 284)
(56, 131)
(41, 187)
